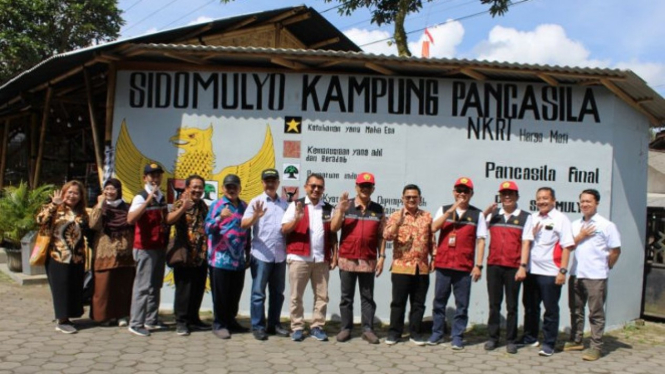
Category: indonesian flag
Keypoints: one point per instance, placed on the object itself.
(429, 36)
(430, 39)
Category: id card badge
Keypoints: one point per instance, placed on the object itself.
(452, 240)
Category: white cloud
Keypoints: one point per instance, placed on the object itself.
(546, 44)
(201, 19)
(549, 44)
(446, 39)
(362, 37)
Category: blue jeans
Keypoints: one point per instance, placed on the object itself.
(459, 282)
(537, 289)
(272, 274)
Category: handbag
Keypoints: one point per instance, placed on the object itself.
(176, 253)
(40, 250)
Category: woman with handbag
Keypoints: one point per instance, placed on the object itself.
(114, 267)
(65, 265)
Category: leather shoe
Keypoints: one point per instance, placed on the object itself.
(370, 337)
(344, 336)
(237, 328)
(199, 326)
(222, 333)
(260, 335)
(278, 330)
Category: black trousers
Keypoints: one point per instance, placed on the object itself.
(413, 288)
(190, 285)
(367, 304)
(500, 281)
(227, 288)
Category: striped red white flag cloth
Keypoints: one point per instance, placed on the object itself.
(429, 36)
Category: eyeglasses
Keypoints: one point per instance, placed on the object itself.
(317, 186)
(411, 197)
(463, 190)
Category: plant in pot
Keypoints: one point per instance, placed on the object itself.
(18, 206)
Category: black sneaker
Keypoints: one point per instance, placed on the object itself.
(66, 328)
(278, 330)
(181, 330)
(511, 348)
(260, 335)
(237, 328)
(139, 331)
(490, 345)
(200, 326)
(156, 327)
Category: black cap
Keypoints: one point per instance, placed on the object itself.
(231, 179)
(152, 168)
(270, 173)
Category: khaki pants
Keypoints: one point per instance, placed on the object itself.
(580, 293)
(301, 273)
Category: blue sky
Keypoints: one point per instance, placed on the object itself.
(617, 34)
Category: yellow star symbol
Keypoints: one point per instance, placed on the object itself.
(293, 126)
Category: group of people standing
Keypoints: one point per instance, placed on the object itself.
(268, 233)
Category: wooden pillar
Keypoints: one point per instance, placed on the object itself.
(110, 103)
(99, 159)
(42, 135)
(33, 148)
(3, 153)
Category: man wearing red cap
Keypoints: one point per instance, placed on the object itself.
(463, 232)
(510, 242)
(362, 224)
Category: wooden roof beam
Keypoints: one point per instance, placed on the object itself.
(288, 63)
(473, 74)
(379, 68)
(194, 33)
(625, 97)
(190, 59)
(296, 19)
(323, 43)
(548, 79)
(242, 24)
(283, 16)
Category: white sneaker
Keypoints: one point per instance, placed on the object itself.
(123, 322)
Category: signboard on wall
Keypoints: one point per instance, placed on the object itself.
(426, 131)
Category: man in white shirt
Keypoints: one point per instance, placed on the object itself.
(548, 266)
(598, 249)
(310, 246)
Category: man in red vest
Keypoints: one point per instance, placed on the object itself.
(362, 224)
(310, 255)
(508, 258)
(463, 232)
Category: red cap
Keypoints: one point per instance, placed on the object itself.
(508, 185)
(464, 181)
(365, 178)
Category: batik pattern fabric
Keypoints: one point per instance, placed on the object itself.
(67, 243)
(228, 243)
(191, 226)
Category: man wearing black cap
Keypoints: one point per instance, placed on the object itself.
(268, 262)
(148, 213)
(228, 254)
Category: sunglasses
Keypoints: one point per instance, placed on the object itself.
(366, 185)
(317, 186)
(463, 190)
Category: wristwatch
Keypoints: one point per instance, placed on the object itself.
(563, 271)
(480, 267)
(523, 265)
(382, 255)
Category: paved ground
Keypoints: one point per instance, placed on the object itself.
(29, 344)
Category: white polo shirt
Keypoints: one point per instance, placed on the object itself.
(555, 234)
(592, 253)
(481, 227)
(316, 232)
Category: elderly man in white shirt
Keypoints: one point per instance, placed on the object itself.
(598, 249)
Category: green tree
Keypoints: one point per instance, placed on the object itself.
(395, 11)
(34, 30)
